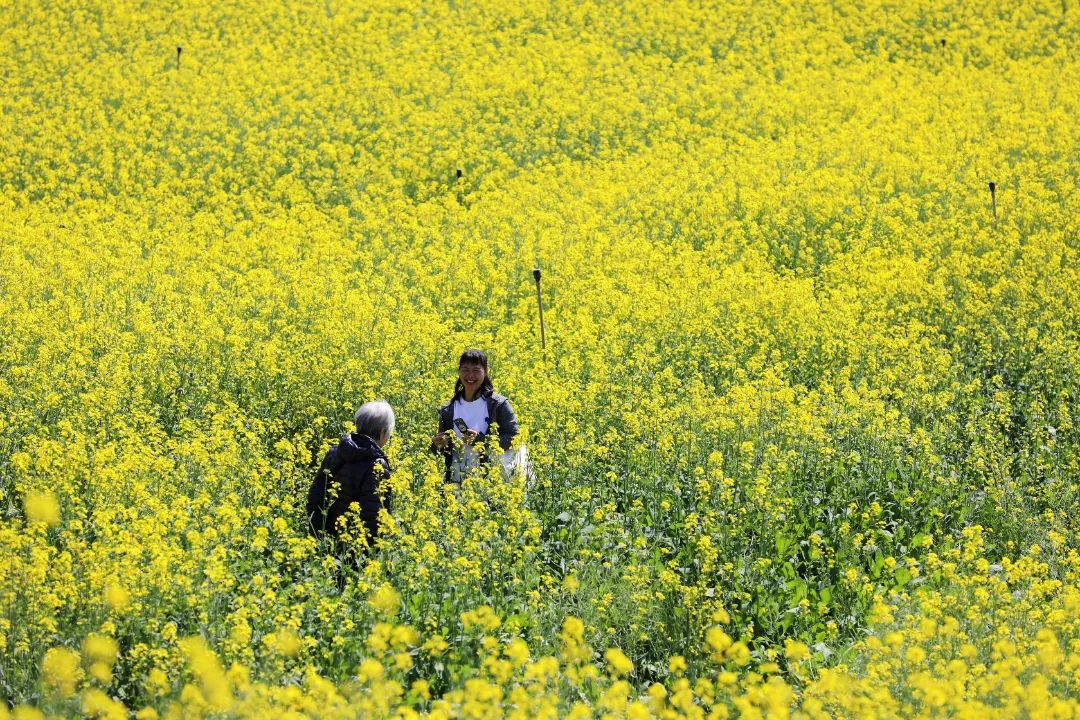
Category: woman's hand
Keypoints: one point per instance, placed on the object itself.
(441, 440)
(469, 436)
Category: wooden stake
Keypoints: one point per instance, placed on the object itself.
(540, 305)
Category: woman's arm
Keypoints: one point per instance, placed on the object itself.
(508, 424)
(445, 421)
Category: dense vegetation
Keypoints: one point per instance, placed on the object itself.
(804, 434)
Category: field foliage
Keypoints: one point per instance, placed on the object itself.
(804, 432)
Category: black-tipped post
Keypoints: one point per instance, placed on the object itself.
(993, 198)
(540, 305)
(178, 49)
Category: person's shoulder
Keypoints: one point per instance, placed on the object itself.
(498, 400)
(330, 459)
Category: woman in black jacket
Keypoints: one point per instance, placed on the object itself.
(474, 414)
(354, 471)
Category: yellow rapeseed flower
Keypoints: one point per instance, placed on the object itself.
(42, 507)
(60, 670)
(619, 664)
(386, 600)
(117, 597)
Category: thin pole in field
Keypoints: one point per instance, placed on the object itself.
(540, 305)
(993, 198)
(178, 49)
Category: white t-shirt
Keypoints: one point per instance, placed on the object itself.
(475, 414)
(476, 418)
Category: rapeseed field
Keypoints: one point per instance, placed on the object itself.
(804, 432)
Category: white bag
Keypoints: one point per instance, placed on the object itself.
(515, 464)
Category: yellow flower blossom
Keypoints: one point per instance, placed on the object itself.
(619, 664)
(386, 600)
(117, 597)
(60, 670)
(42, 507)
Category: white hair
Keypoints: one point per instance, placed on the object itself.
(375, 419)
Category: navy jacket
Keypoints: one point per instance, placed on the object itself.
(500, 417)
(355, 469)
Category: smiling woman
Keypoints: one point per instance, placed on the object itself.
(472, 415)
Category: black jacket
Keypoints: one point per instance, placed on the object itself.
(500, 417)
(355, 469)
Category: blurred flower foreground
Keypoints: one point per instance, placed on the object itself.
(804, 434)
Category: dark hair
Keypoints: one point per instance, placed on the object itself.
(474, 357)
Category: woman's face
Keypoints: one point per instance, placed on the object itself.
(472, 376)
